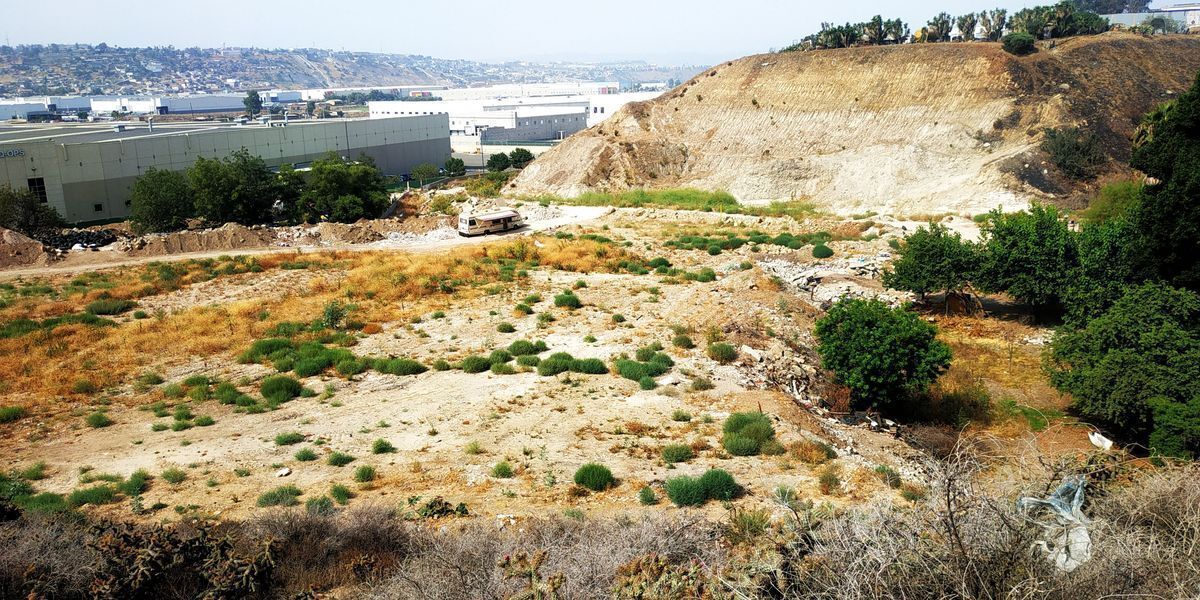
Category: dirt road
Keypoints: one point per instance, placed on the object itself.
(79, 262)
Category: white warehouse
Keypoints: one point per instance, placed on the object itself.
(494, 122)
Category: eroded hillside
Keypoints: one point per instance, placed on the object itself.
(903, 130)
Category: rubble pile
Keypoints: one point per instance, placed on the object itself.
(80, 239)
(821, 284)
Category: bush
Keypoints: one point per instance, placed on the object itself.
(289, 438)
(568, 300)
(1018, 43)
(173, 475)
(828, 481)
(589, 366)
(400, 366)
(683, 341)
(745, 433)
(339, 459)
(681, 415)
(719, 485)
(284, 495)
(98, 419)
(822, 251)
(138, 482)
(888, 476)
(618, 318)
(319, 507)
(530, 360)
(686, 491)
(500, 368)
(502, 470)
(559, 362)
(722, 353)
(340, 493)
(932, 259)
(740, 446)
(676, 453)
(647, 383)
(647, 496)
(475, 364)
(525, 347)
(882, 354)
(505, 328)
(204, 421)
(365, 474)
(8, 414)
(595, 477)
(382, 446)
(349, 367)
(1076, 152)
(306, 455)
(96, 495)
(109, 306)
(280, 388)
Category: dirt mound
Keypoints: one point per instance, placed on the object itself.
(17, 249)
(904, 129)
(230, 236)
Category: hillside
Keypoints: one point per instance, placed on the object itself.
(907, 130)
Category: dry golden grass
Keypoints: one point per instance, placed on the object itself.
(41, 366)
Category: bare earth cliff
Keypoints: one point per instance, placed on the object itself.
(904, 130)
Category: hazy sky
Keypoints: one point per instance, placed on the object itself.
(674, 31)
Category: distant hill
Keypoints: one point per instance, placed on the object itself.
(912, 129)
(66, 69)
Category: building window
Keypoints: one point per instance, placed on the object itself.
(98, 207)
(37, 186)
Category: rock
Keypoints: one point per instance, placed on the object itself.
(752, 353)
(284, 472)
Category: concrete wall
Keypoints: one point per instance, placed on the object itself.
(538, 127)
(91, 180)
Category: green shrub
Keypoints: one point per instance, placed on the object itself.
(261, 349)
(289, 438)
(173, 475)
(441, 365)
(589, 366)
(109, 306)
(339, 459)
(204, 421)
(569, 300)
(506, 328)
(525, 347)
(722, 352)
(340, 493)
(685, 491)
(382, 446)
(138, 482)
(559, 362)
(401, 366)
(499, 356)
(8, 414)
(306, 455)
(84, 386)
(95, 495)
(683, 341)
(280, 388)
(475, 364)
(719, 485)
(772, 448)
(888, 476)
(1076, 152)
(740, 446)
(681, 415)
(319, 507)
(178, 425)
(529, 360)
(502, 470)
(647, 496)
(675, 453)
(647, 383)
(365, 474)
(98, 419)
(284, 495)
(595, 477)
(34, 472)
(822, 251)
(618, 318)
(1018, 43)
(349, 367)
(173, 390)
(745, 433)
(196, 380)
(500, 368)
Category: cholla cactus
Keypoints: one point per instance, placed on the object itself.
(528, 568)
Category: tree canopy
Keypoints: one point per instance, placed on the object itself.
(343, 191)
(455, 167)
(161, 201)
(882, 354)
(1028, 254)
(253, 103)
(498, 162)
(238, 188)
(933, 259)
(520, 157)
(22, 211)
(1136, 363)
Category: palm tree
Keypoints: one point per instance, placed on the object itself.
(940, 26)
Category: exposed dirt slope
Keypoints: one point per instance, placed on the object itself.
(908, 129)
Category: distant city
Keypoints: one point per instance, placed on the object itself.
(82, 69)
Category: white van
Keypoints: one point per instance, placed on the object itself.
(492, 222)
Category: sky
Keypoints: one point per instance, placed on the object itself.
(674, 32)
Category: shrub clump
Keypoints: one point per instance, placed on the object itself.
(284, 495)
(568, 299)
(822, 251)
(382, 446)
(714, 484)
(722, 352)
(109, 306)
(685, 491)
(676, 453)
(280, 388)
(595, 477)
(475, 364)
(745, 433)
(526, 347)
(1018, 43)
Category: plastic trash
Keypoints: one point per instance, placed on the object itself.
(1067, 542)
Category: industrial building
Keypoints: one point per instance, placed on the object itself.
(495, 123)
(86, 171)
(1186, 14)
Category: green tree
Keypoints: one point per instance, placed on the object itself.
(161, 201)
(992, 22)
(874, 31)
(933, 259)
(884, 355)
(1114, 201)
(22, 211)
(1030, 254)
(498, 162)
(333, 183)
(520, 157)
(424, 172)
(1135, 364)
(238, 188)
(966, 26)
(310, 108)
(253, 103)
(1167, 219)
(1019, 43)
(455, 167)
(939, 27)
(1107, 266)
(1076, 152)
